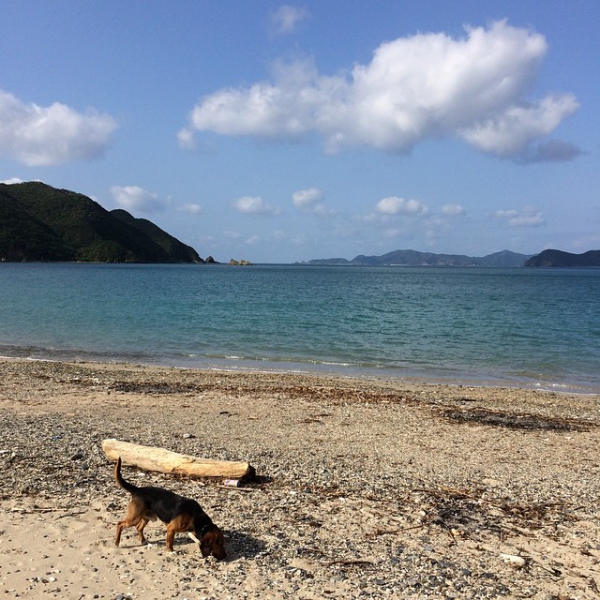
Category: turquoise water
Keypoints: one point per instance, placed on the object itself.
(518, 327)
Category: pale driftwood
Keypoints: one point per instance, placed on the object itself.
(165, 461)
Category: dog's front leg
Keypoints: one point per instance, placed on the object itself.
(140, 529)
(195, 539)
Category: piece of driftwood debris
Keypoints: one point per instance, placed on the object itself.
(149, 458)
(514, 560)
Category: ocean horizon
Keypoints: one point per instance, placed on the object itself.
(534, 328)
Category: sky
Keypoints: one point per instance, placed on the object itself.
(284, 132)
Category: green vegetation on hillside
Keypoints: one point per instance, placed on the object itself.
(42, 223)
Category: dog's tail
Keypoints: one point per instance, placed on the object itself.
(122, 483)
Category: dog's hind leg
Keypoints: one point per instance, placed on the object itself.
(171, 531)
(135, 517)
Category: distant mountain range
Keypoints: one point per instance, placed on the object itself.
(42, 223)
(412, 258)
(506, 258)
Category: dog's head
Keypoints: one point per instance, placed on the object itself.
(213, 542)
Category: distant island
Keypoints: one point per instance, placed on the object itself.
(39, 223)
(558, 258)
(412, 258)
(505, 258)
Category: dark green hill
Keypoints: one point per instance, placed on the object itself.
(172, 246)
(23, 237)
(559, 258)
(42, 223)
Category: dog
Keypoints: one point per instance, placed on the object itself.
(178, 513)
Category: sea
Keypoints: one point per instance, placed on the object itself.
(521, 327)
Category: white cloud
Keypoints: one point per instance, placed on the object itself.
(186, 139)
(528, 217)
(311, 201)
(453, 210)
(134, 198)
(254, 205)
(307, 198)
(41, 136)
(192, 209)
(510, 132)
(286, 18)
(12, 181)
(414, 88)
(399, 206)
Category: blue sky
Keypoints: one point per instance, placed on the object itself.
(282, 132)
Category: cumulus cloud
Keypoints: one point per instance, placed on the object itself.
(12, 181)
(418, 87)
(307, 198)
(254, 205)
(286, 18)
(136, 199)
(510, 132)
(311, 201)
(393, 205)
(453, 210)
(528, 217)
(42, 136)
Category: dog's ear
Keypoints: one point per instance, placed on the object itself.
(213, 543)
(206, 545)
(219, 546)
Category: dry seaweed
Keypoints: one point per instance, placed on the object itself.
(511, 420)
(470, 511)
(306, 392)
(153, 387)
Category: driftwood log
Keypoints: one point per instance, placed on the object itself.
(165, 461)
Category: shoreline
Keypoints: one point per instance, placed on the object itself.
(414, 376)
(369, 487)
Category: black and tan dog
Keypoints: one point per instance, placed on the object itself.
(178, 513)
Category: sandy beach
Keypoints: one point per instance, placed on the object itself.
(366, 488)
